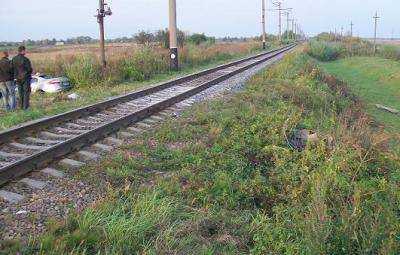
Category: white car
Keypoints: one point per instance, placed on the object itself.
(46, 84)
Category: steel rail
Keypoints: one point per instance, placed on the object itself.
(44, 157)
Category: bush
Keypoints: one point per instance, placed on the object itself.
(390, 52)
(325, 51)
(198, 39)
(84, 71)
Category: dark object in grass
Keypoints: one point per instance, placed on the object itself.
(208, 228)
(300, 137)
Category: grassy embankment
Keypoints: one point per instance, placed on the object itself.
(231, 184)
(129, 68)
(375, 81)
(373, 78)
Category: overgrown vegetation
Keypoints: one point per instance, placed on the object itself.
(224, 180)
(324, 50)
(374, 81)
(329, 47)
(132, 64)
(372, 77)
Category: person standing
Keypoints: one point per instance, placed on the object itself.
(7, 87)
(22, 69)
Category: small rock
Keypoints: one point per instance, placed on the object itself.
(21, 212)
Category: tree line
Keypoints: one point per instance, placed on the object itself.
(160, 37)
(143, 37)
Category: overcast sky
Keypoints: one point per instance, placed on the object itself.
(39, 19)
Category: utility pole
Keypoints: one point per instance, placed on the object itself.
(341, 33)
(280, 21)
(287, 25)
(101, 14)
(295, 31)
(376, 18)
(293, 35)
(173, 39)
(280, 9)
(351, 29)
(264, 39)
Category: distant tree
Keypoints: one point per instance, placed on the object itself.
(144, 37)
(197, 39)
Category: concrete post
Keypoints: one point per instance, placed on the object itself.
(173, 40)
(264, 39)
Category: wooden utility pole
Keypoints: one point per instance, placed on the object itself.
(101, 14)
(264, 39)
(173, 39)
(376, 18)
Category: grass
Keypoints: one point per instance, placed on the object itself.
(196, 59)
(231, 184)
(375, 81)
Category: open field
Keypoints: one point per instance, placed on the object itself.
(130, 67)
(231, 183)
(152, 58)
(395, 41)
(375, 81)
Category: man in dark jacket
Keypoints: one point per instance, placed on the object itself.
(7, 87)
(22, 73)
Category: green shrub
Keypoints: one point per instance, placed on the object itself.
(325, 51)
(390, 52)
(84, 71)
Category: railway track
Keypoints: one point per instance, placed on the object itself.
(35, 145)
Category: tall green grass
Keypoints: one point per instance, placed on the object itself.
(390, 52)
(325, 51)
(333, 50)
(327, 48)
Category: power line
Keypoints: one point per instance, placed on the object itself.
(278, 4)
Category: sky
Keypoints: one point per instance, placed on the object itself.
(61, 19)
